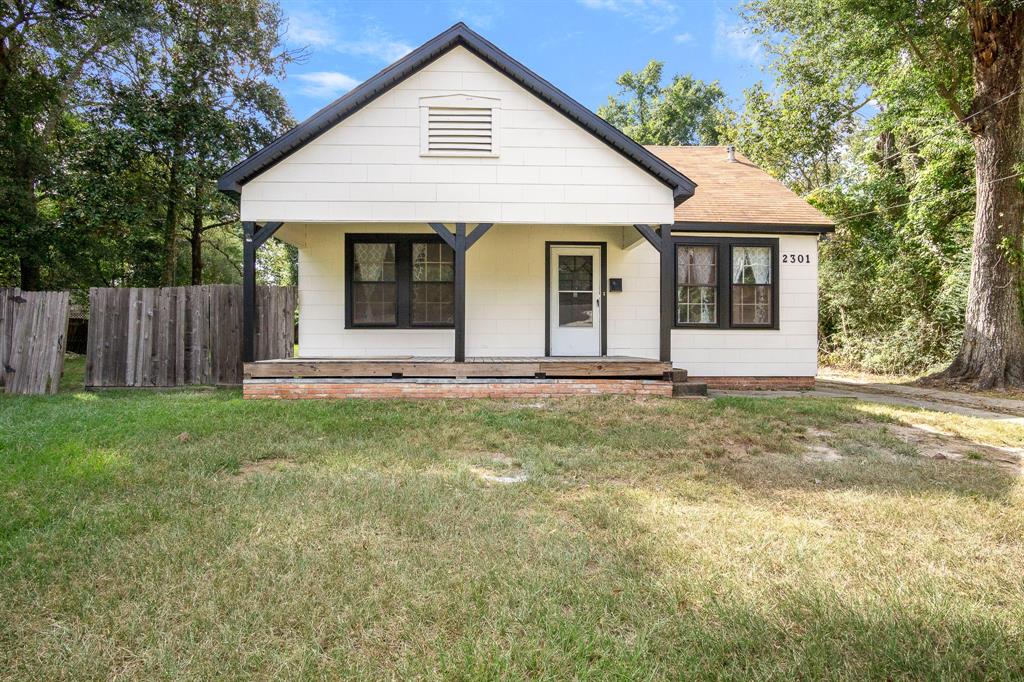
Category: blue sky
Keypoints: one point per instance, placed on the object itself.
(579, 45)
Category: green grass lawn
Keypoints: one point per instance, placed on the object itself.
(160, 534)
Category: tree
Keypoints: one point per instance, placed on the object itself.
(687, 111)
(195, 94)
(46, 48)
(970, 55)
(798, 135)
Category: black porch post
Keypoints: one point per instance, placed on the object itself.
(460, 242)
(668, 254)
(248, 291)
(460, 292)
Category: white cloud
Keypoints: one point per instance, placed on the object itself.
(655, 15)
(374, 43)
(681, 38)
(478, 14)
(736, 41)
(326, 83)
(308, 30)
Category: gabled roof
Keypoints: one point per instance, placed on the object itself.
(738, 194)
(459, 34)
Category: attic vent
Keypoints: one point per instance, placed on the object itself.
(459, 125)
(459, 130)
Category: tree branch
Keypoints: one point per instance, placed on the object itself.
(220, 224)
(228, 258)
(945, 91)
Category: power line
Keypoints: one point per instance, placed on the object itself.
(957, 123)
(939, 196)
(942, 129)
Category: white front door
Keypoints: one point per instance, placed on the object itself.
(575, 290)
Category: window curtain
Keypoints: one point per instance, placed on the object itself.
(697, 265)
(751, 265)
(703, 266)
(370, 261)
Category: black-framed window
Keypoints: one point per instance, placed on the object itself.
(726, 282)
(752, 287)
(399, 281)
(433, 283)
(696, 285)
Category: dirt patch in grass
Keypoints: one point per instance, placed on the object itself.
(818, 448)
(936, 444)
(271, 465)
(504, 478)
(926, 440)
(821, 452)
(497, 467)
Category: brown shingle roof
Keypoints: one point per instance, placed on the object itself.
(734, 192)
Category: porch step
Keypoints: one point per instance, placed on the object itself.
(687, 389)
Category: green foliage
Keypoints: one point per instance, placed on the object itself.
(47, 47)
(686, 111)
(116, 118)
(894, 275)
(864, 123)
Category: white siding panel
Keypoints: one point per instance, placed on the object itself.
(549, 169)
(791, 350)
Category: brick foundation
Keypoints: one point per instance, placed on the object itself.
(304, 389)
(757, 383)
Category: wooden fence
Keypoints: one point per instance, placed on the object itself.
(179, 336)
(33, 331)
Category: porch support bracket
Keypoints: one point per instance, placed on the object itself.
(661, 240)
(253, 237)
(460, 242)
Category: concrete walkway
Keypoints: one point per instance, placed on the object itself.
(966, 404)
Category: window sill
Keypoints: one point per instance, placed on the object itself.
(724, 328)
(397, 328)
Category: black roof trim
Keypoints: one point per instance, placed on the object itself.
(759, 228)
(459, 34)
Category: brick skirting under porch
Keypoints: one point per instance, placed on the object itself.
(307, 389)
(757, 383)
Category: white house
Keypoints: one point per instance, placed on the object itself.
(458, 216)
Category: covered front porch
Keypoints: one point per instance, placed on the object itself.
(524, 291)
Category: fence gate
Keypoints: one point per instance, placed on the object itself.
(178, 336)
(33, 331)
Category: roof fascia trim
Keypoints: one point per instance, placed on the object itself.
(759, 228)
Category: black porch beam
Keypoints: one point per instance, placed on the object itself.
(444, 233)
(248, 291)
(477, 232)
(265, 232)
(253, 237)
(460, 243)
(668, 292)
(662, 243)
(460, 292)
(648, 233)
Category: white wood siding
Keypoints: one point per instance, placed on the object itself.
(505, 304)
(789, 351)
(368, 168)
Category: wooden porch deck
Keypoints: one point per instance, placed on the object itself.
(446, 367)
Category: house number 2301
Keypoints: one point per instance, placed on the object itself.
(798, 258)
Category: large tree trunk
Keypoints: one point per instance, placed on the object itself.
(992, 354)
(26, 211)
(29, 267)
(196, 240)
(171, 229)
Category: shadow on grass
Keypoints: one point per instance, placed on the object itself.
(867, 456)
